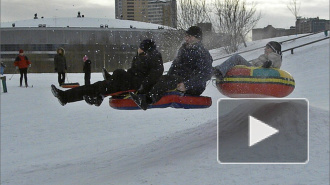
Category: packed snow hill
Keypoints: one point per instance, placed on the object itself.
(45, 143)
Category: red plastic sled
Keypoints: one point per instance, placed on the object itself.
(70, 85)
(171, 99)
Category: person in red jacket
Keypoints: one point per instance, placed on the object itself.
(22, 63)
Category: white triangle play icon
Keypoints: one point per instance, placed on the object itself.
(259, 131)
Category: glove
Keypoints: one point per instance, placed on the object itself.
(181, 87)
(267, 64)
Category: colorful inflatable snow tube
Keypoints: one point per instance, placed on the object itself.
(256, 82)
(171, 99)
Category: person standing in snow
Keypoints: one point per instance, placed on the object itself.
(272, 57)
(87, 70)
(189, 72)
(2, 68)
(60, 65)
(146, 68)
(22, 63)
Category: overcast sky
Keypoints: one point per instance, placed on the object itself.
(274, 12)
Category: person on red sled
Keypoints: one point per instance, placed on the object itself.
(147, 67)
(189, 72)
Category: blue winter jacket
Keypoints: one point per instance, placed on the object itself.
(194, 64)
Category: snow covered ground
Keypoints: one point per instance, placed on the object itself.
(45, 143)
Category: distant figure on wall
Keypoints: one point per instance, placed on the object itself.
(87, 70)
(60, 65)
(22, 63)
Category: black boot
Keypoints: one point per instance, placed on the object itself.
(105, 74)
(140, 100)
(54, 90)
(97, 101)
(217, 73)
(59, 95)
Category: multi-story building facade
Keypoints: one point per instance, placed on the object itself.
(270, 32)
(163, 12)
(134, 10)
(118, 9)
(311, 25)
(303, 25)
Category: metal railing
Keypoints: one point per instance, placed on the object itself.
(264, 46)
(291, 49)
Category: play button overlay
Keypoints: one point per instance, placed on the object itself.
(263, 131)
(259, 131)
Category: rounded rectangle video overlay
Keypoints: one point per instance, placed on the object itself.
(263, 131)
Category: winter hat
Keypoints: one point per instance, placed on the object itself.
(195, 31)
(21, 51)
(147, 45)
(85, 58)
(275, 46)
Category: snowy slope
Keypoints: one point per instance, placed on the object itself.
(45, 143)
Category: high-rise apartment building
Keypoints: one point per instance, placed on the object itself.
(135, 10)
(118, 9)
(162, 12)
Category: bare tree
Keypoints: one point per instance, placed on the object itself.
(294, 8)
(192, 12)
(235, 19)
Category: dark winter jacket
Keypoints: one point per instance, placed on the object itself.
(87, 66)
(60, 61)
(22, 62)
(194, 64)
(147, 68)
